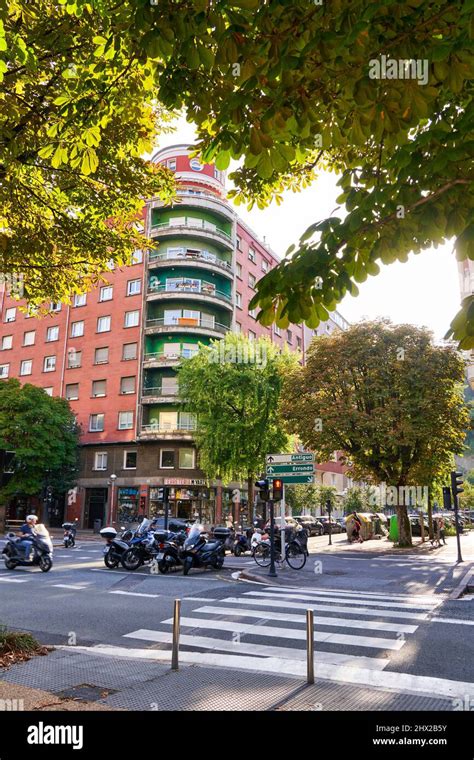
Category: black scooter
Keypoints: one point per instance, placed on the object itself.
(70, 530)
(41, 552)
(199, 552)
(116, 546)
(169, 549)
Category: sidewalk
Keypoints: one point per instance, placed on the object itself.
(112, 683)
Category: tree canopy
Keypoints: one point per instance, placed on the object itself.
(384, 396)
(42, 433)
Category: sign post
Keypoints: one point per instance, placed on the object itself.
(282, 523)
(272, 572)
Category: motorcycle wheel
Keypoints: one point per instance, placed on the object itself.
(10, 564)
(219, 562)
(45, 563)
(109, 562)
(237, 551)
(188, 563)
(130, 560)
(163, 567)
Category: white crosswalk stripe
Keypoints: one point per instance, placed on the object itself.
(352, 629)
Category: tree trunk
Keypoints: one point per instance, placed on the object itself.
(430, 516)
(404, 529)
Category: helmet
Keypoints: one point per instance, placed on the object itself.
(31, 517)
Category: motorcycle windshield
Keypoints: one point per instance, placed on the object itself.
(144, 527)
(193, 535)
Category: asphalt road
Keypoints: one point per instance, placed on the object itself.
(374, 614)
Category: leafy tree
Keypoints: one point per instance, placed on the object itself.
(386, 397)
(325, 494)
(301, 498)
(77, 113)
(466, 499)
(234, 386)
(357, 500)
(42, 432)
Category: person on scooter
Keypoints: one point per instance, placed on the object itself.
(27, 530)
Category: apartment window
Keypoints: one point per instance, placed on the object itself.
(187, 421)
(187, 349)
(238, 241)
(4, 368)
(129, 351)
(132, 318)
(99, 388)
(103, 324)
(186, 459)
(80, 300)
(252, 280)
(238, 327)
(169, 386)
(298, 342)
(52, 333)
(125, 421)
(74, 359)
(127, 385)
(26, 367)
(7, 342)
(96, 423)
(72, 392)
(129, 460)
(100, 460)
(137, 256)
(106, 293)
(134, 287)
(49, 364)
(77, 329)
(252, 335)
(252, 255)
(289, 336)
(55, 307)
(265, 265)
(253, 313)
(238, 299)
(49, 390)
(10, 314)
(110, 265)
(238, 268)
(101, 355)
(167, 459)
(171, 164)
(29, 338)
(277, 331)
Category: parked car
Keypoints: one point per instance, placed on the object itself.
(336, 526)
(312, 524)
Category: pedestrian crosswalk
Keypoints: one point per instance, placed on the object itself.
(266, 628)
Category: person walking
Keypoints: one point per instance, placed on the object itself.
(442, 531)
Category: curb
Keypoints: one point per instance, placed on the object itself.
(463, 585)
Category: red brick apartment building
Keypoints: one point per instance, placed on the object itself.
(113, 353)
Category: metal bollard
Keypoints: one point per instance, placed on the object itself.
(310, 646)
(176, 624)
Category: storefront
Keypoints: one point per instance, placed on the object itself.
(191, 500)
(128, 505)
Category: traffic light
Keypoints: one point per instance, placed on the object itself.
(447, 503)
(456, 483)
(277, 489)
(263, 486)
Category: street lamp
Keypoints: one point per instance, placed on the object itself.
(112, 480)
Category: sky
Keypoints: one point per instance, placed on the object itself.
(423, 291)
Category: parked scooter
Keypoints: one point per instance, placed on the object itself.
(41, 552)
(169, 549)
(199, 552)
(116, 545)
(70, 530)
(242, 542)
(144, 547)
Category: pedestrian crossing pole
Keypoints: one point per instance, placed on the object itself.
(309, 646)
(272, 572)
(176, 625)
(282, 522)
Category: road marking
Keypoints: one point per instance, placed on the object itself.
(287, 653)
(349, 592)
(451, 620)
(364, 611)
(289, 633)
(373, 625)
(198, 599)
(133, 593)
(68, 585)
(344, 600)
(383, 679)
(14, 580)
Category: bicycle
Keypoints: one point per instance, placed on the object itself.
(296, 553)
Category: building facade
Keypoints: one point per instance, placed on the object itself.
(114, 352)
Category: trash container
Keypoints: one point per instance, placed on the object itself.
(393, 533)
(97, 526)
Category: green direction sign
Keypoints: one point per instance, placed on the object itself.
(289, 458)
(289, 469)
(294, 478)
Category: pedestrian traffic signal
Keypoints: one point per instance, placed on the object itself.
(456, 483)
(264, 488)
(447, 503)
(277, 489)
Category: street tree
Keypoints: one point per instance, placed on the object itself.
(357, 499)
(386, 397)
(233, 386)
(42, 432)
(301, 498)
(77, 115)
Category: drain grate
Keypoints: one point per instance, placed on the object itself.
(85, 692)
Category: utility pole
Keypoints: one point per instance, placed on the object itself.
(456, 483)
(329, 511)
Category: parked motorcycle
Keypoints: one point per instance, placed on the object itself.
(41, 552)
(199, 552)
(242, 544)
(70, 530)
(169, 549)
(143, 548)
